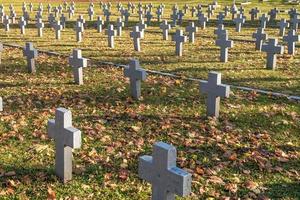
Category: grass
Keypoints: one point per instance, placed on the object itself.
(252, 151)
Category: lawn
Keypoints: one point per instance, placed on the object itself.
(251, 151)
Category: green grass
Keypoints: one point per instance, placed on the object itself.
(251, 151)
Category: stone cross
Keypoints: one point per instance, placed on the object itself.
(107, 14)
(226, 10)
(91, 13)
(111, 33)
(142, 26)
(224, 44)
(57, 27)
(63, 21)
(210, 11)
(239, 21)
(55, 10)
(31, 53)
(283, 24)
(272, 48)
(22, 24)
(220, 31)
(79, 29)
(30, 7)
(220, 18)
(140, 13)
(99, 24)
(136, 74)
(273, 14)
(291, 38)
(185, 8)
(6, 22)
(13, 17)
(260, 36)
(180, 15)
(174, 17)
(161, 172)
(193, 11)
(159, 14)
(51, 19)
(119, 26)
(66, 138)
(295, 22)
(77, 63)
(263, 20)
(214, 90)
(165, 27)
(254, 12)
(233, 11)
(148, 17)
(136, 35)
(202, 20)
(191, 29)
(179, 38)
(126, 16)
(71, 12)
(82, 20)
(49, 8)
(40, 25)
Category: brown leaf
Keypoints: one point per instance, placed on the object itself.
(51, 194)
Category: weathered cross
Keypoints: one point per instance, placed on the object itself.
(272, 48)
(142, 26)
(224, 44)
(239, 21)
(180, 16)
(283, 24)
(148, 17)
(79, 30)
(77, 63)
(100, 23)
(259, 36)
(66, 138)
(22, 24)
(214, 90)
(31, 53)
(179, 38)
(291, 38)
(159, 14)
(40, 25)
(57, 27)
(220, 31)
(295, 22)
(136, 74)
(220, 18)
(192, 29)
(119, 26)
(160, 170)
(165, 27)
(6, 22)
(111, 33)
(136, 35)
(263, 20)
(91, 13)
(202, 20)
(253, 13)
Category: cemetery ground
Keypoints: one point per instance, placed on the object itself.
(252, 150)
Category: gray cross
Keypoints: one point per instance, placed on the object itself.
(185, 8)
(259, 36)
(165, 28)
(63, 21)
(99, 24)
(295, 22)
(191, 29)
(291, 39)
(22, 24)
(136, 74)
(140, 13)
(82, 20)
(159, 14)
(220, 30)
(202, 20)
(40, 25)
(253, 13)
(136, 35)
(71, 12)
(193, 11)
(233, 11)
(49, 8)
(126, 16)
(272, 48)
(79, 30)
(119, 26)
(226, 10)
(160, 170)
(6, 22)
(273, 14)
(220, 18)
(283, 24)
(142, 26)
(51, 19)
(263, 20)
(57, 27)
(77, 63)
(66, 138)
(149, 17)
(239, 21)
(91, 13)
(174, 17)
(111, 33)
(180, 15)
(214, 90)
(179, 38)
(107, 14)
(224, 44)
(31, 53)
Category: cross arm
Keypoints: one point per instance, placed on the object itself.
(72, 137)
(203, 87)
(51, 128)
(180, 181)
(145, 170)
(223, 90)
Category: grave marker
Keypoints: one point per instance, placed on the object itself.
(136, 35)
(263, 21)
(99, 24)
(179, 38)
(22, 24)
(30, 53)
(136, 74)
(291, 38)
(224, 44)
(260, 36)
(119, 26)
(66, 138)
(77, 63)
(111, 33)
(79, 29)
(272, 48)
(161, 172)
(165, 27)
(191, 29)
(239, 21)
(40, 25)
(283, 24)
(57, 27)
(214, 90)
